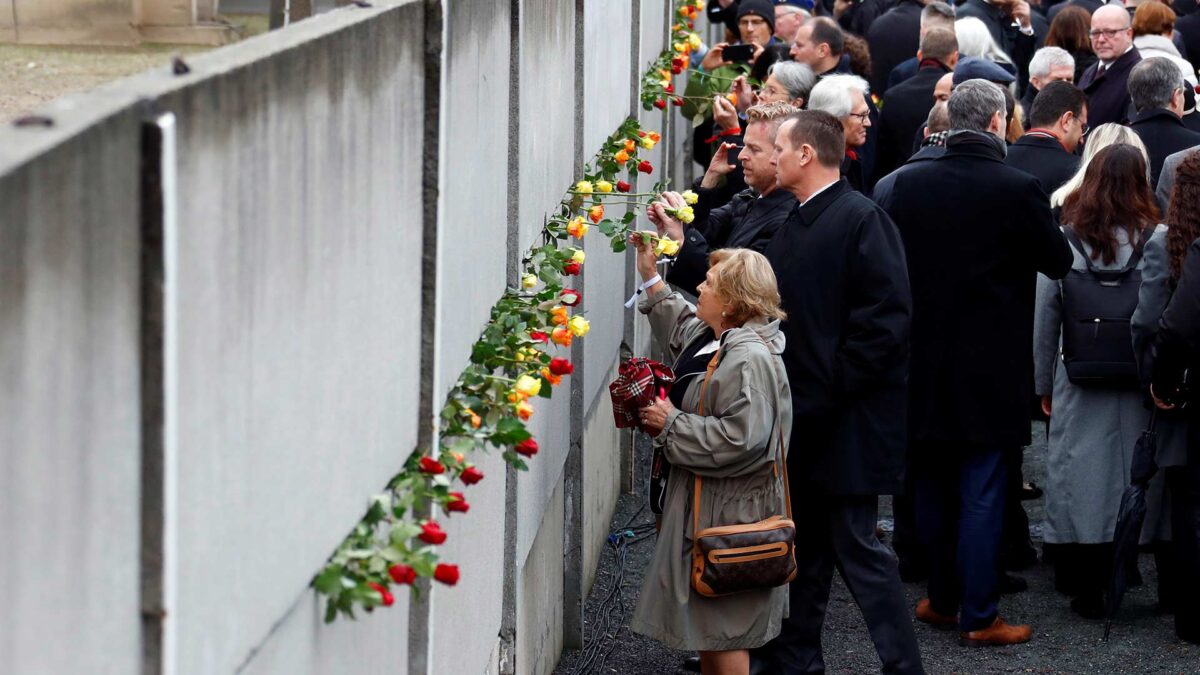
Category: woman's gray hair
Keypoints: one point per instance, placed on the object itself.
(832, 94)
(797, 78)
(1047, 58)
(1101, 137)
(973, 103)
(974, 39)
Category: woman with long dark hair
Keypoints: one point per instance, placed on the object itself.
(1093, 424)
(1069, 30)
(1166, 500)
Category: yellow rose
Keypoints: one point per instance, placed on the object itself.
(583, 187)
(693, 41)
(603, 186)
(680, 47)
(690, 197)
(685, 214)
(646, 143)
(578, 256)
(528, 386)
(666, 246)
(578, 326)
(524, 410)
(528, 281)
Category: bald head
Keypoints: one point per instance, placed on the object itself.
(1111, 34)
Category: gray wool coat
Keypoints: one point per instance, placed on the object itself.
(747, 405)
(1172, 430)
(1092, 431)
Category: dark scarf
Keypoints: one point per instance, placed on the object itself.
(977, 140)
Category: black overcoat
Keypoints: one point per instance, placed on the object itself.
(1164, 134)
(1108, 95)
(841, 272)
(1043, 158)
(893, 38)
(976, 232)
(904, 113)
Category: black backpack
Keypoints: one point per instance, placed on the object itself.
(1097, 340)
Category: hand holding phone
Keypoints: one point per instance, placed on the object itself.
(738, 53)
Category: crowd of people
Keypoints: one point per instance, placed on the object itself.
(921, 227)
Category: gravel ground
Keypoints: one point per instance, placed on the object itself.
(1142, 641)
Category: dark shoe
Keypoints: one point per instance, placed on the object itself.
(691, 664)
(1030, 491)
(1020, 558)
(911, 573)
(927, 614)
(1089, 606)
(1010, 584)
(996, 635)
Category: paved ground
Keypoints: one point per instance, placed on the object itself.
(1142, 640)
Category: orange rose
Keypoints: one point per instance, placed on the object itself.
(558, 315)
(550, 377)
(630, 146)
(562, 336)
(596, 213)
(621, 157)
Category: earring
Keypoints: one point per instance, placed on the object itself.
(723, 315)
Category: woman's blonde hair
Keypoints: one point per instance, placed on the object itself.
(1101, 137)
(745, 281)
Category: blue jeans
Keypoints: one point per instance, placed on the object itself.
(960, 519)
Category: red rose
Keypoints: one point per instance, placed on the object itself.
(622, 186)
(645, 166)
(388, 598)
(642, 134)
(527, 447)
(670, 88)
(572, 268)
(457, 503)
(431, 466)
(570, 297)
(660, 104)
(677, 102)
(471, 475)
(538, 336)
(402, 574)
(431, 533)
(447, 574)
(561, 366)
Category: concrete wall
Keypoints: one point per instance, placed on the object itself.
(70, 417)
(304, 339)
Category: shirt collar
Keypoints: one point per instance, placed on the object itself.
(819, 191)
(1108, 64)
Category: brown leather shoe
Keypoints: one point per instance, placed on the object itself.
(926, 612)
(996, 635)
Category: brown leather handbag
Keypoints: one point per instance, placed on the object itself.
(728, 559)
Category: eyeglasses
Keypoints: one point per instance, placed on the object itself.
(862, 116)
(1108, 34)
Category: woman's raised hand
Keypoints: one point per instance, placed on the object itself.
(647, 260)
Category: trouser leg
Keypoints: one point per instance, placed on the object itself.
(1016, 547)
(798, 647)
(870, 572)
(936, 484)
(981, 522)
(914, 557)
(1184, 484)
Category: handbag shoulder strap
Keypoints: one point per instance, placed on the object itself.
(778, 465)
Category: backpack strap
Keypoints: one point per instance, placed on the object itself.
(1134, 258)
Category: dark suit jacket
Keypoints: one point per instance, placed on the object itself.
(841, 272)
(1089, 5)
(1188, 27)
(748, 221)
(893, 38)
(1017, 45)
(976, 232)
(1031, 93)
(904, 113)
(883, 187)
(1043, 158)
(1164, 134)
(903, 71)
(1108, 95)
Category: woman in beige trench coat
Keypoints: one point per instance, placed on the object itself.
(747, 411)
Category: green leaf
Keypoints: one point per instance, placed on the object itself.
(606, 227)
(510, 431)
(329, 581)
(331, 611)
(618, 244)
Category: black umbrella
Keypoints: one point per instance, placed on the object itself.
(1129, 520)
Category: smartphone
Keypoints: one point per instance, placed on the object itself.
(732, 156)
(738, 53)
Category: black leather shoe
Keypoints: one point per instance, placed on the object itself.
(1010, 584)
(691, 664)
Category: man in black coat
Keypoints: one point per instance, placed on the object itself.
(840, 266)
(909, 102)
(933, 145)
(1058, 120)
(1156, 87)
(1105, 80)
(893, 38)
(1049, 64)
(1176, 353)
(750, 220)
(976, 233)
(937, 14)
(1018, 41)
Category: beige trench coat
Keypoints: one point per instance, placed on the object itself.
(747, 404)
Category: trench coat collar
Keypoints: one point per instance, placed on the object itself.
(1154, 113)
(812, 209)
(975, 144)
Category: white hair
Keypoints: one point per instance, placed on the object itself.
(1047, 58)
(974, 39)
(832, 94)
(1101, 137)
